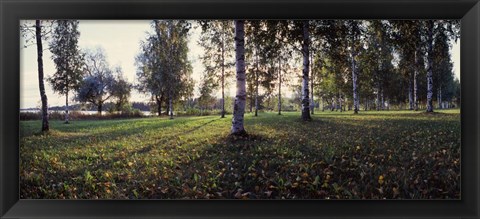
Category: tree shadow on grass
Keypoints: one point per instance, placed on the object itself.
(143, 149)
(110, 133)
(393, 115)
(199, 126)
(261, 166)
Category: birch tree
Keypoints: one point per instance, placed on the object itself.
(150, 74)
(240, 97)
(419, 63)
(283, 68)
(41, 84)
(206, 100)
(380, 52)
(318, 48)
(306, 65)
(177, 67)
(354, 32)
(34, 34)
(164, 70)
(312, 81)
(336, 36)
(217, 42)
(442, 66)
(429, 26)
(369, 64)
(67, 58)
(409, 42)
(283, 55)
(297, 35)
(255, 51)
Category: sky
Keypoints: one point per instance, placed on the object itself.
(121, 42)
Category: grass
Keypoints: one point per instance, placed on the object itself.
(373, 155)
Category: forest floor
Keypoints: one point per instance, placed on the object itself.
(372, 155)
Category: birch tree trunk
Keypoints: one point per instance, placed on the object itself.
(41, 84)
(159, 105)
(323, 104)
(223, 74)
(66, 108)
(378, 96)
(312, 102)
(256, 83)
(279, 87)
(439, 97)
(251, 103)
(429, 66)
(334, 104)
(170, 105)
(306, 64)
(159, 109)
(66, 99)
(383, 101)
(354, 80)
(340, 102)
(241, 95)
(415, 85)
(346, 106)
(410, 93)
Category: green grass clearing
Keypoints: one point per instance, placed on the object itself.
(338, 155)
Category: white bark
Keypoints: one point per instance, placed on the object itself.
(340, 102)
(334, 104)
(223, 72)
(323, 104)
(256, 83)
(170, 106)
(41, 85)
(306, 65)
(354, 80)
(429, 67)
(279, 87)
(66, 108)
(312, 101)
(241, 95)
(410, 94)
(439, 98)
(378, 97)
(383, 101)
(415, 92)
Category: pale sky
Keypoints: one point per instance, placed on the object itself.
(121, 41)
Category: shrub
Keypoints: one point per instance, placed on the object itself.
(79, 115)
(30, 116)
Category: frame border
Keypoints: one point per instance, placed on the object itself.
(11, 11)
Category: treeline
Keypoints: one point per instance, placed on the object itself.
(330, 64)
(369, 65)
(349, 64)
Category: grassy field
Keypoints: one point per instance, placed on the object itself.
(373, 155)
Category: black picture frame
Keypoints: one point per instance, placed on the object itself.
(11, 11)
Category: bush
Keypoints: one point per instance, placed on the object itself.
(79, 115)
(52, 115)
(193, 111)
(30, 116)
